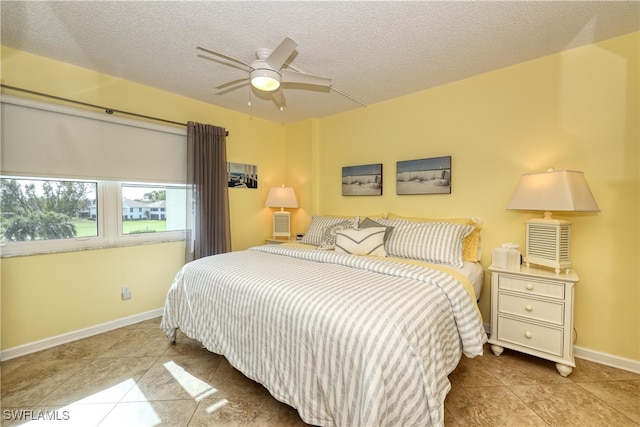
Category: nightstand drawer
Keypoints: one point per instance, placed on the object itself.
(530, 335)
(534, 287)
(546, 311)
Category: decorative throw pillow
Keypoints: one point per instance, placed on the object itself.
(361, 241)
(329, 234)
(368, 223)
(438, 242)
(315, 232)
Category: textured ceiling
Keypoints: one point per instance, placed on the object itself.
(373, 50)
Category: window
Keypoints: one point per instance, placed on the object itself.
(41, 215)
(47, 210)
(159, 208)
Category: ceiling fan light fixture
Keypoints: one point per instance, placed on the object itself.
(265, 79)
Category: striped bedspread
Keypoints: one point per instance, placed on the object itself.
(346, 340)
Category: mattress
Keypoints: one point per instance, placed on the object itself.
(475, 273)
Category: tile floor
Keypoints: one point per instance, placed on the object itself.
(135, 377)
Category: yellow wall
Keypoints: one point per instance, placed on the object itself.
(576, 110)
(301, 140)
(47, 295)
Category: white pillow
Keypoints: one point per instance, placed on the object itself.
(438, 242)
(316, 229)
(361, 241)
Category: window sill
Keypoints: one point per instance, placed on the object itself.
(93, 248)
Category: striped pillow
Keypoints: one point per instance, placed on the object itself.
(438, 242)
(315, 232)
(361, 241)
(471, 250)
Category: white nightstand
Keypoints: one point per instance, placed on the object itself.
(532, 312)
(275, 241)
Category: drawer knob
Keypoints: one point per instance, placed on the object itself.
(529, 287)
(528, 308)
(527, 334)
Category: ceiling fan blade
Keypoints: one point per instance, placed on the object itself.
(224, 62)
(232, 83)
(289, 76)
(348, 96)
(280, 54)
(230, 58)
(231, 87)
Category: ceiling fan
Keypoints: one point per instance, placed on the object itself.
(270, 70)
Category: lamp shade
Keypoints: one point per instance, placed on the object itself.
(281, 197)
(562, 190)
(263, 77)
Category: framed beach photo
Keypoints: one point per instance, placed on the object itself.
(241, 175)
(363, 180)
(424, 176)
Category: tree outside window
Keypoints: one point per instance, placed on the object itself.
(34, 209)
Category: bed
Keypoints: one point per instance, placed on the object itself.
(347, 339)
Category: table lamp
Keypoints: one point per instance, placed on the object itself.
(281, 197)
(548, 239)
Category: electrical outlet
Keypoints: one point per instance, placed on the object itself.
(126, 292)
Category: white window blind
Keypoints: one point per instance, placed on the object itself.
(50, 140)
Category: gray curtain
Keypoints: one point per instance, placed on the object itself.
(208, 225)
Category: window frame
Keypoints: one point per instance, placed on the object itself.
(109, 224)
(172, 235)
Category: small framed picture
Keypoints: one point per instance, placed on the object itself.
(363, 180)
(240, 175)
(424, 176)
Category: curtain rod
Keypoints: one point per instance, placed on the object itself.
(99, 107)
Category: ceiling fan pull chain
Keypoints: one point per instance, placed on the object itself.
(281, 108)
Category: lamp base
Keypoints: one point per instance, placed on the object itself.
(282, 224)
(567, 269)
(548, 242)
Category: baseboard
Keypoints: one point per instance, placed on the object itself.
(607, 359)
(46, 343)
(597, 357)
